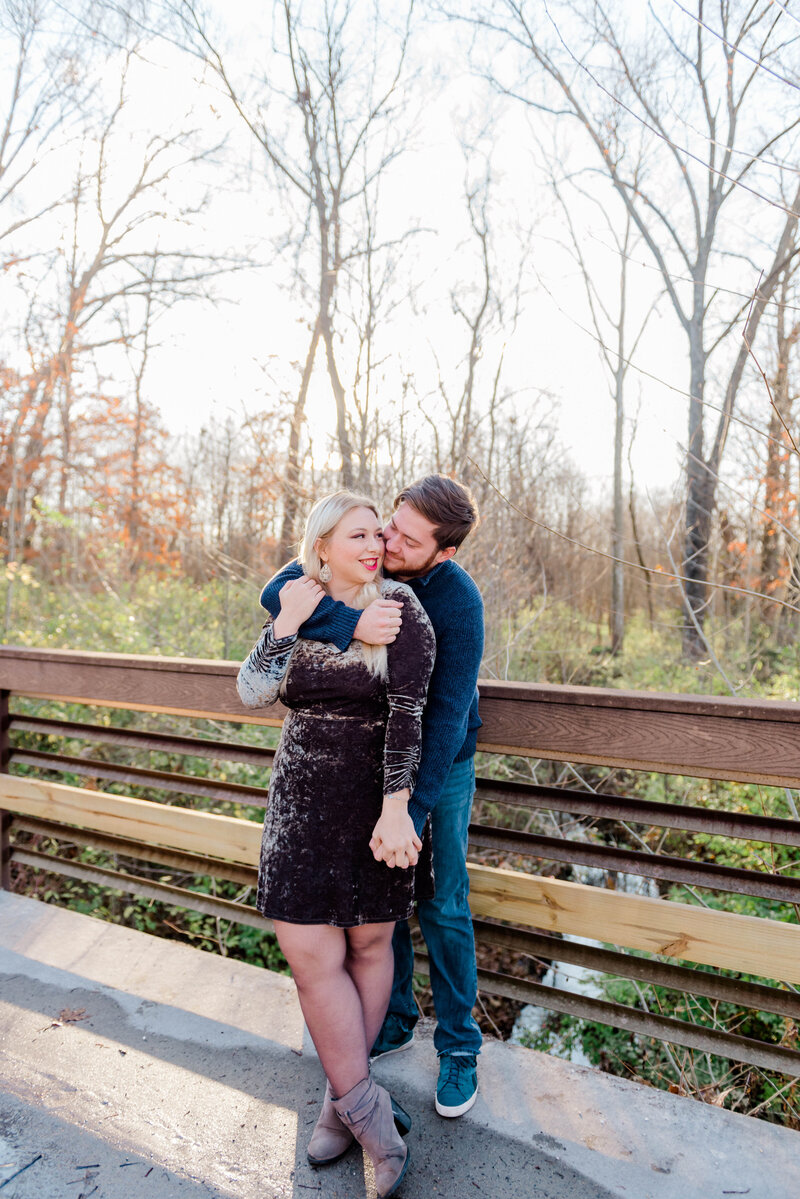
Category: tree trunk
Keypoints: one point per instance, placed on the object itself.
(617, 544)
(345, 449)
(697, 524)
(775, 486)
(777, 499)
(291, 478)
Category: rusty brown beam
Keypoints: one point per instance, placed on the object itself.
(544, 947)
(185, 784)
(686, 817)
(704, 736)
(648, 865)
(182, 897)
(173, 859)
(5, 817)
(746, 1050)
(196, 747)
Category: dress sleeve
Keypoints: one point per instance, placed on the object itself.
(330, 621)
(410, 662)
(261, 674)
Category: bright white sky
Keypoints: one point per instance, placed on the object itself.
(228, 359)
(236, 356)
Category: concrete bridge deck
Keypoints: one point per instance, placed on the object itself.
(137, 1068)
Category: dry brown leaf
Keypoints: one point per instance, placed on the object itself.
(69, 1016)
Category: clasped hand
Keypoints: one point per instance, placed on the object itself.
(299, 598)
(394, 840)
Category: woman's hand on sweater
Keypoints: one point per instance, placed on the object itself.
(394, 840)
(380, 622)
(299, 598)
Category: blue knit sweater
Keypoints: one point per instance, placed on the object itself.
(450, 723)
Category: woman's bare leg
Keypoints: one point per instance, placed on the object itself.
(331, 978)
(370, 964)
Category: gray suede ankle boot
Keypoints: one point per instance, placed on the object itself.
(366, 1110)
(330, 1140)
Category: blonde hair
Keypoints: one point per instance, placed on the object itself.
(321, 522)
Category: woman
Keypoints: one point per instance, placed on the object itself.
(340, 860)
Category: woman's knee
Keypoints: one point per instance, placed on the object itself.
(314, 953)
(369, 942)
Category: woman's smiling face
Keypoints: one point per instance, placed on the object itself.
(354, 550)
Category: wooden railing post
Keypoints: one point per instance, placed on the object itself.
(5, 817)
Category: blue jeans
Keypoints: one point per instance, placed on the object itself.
(446, 925)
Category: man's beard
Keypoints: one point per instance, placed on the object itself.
(405, 572)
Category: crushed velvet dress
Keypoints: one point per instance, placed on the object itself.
(349, 738)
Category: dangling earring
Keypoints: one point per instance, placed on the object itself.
(325, 573)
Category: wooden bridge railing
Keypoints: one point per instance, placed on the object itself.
(739, 740)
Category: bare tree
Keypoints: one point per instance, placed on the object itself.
(104, 268)
(610, 319)
(471, 397)
(326, 113)
(613, 85)
(778, 548)
(47, 61)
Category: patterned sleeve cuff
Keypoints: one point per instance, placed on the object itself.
(402, 763)
(278, 643)
(261, 675)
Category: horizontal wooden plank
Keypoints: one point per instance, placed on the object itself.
(767, 948)
(138, 819)
(645, 1024)
(755, 741)
(147, 742)
(522, 692)
(730, 707)
(182, 897)
(716, 822)
(164, 780)
(763, 883)
(174, 859)
(181, 687)
(273, 717)
(690, 743)
(547, 947)
(78, 658)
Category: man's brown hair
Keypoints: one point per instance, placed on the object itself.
(449, 506)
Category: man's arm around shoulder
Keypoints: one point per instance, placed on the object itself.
(331, 621)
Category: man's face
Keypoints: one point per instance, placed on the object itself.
(411, 548)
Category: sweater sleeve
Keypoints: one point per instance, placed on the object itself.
(410, 660)
(459, 650)
(331, 620)
(263, 671)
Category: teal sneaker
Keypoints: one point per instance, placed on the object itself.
(396, 1034)
(457, 1088)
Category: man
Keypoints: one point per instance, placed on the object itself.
(430, 521)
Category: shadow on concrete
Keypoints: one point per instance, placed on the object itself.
(42, 1154)
(236, 1106)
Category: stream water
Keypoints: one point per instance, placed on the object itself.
(564, 976)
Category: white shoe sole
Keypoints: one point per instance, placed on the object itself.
(450, 1112)
(398, 1049)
